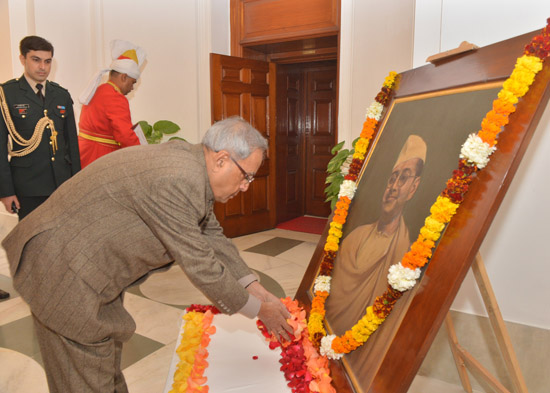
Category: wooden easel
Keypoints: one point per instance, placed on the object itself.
(465, 361)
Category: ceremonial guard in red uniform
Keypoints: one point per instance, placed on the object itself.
(105, 121)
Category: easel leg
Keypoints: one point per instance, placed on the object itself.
(497, 322)
(453, 342)
(465, 361)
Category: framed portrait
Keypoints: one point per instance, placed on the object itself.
(409, 160)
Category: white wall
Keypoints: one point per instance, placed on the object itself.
(514, 249)
(177, 36)
(6, 63)
(376, 38)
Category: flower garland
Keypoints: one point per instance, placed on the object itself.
(402, 276)
(189, 375)
(302, 366)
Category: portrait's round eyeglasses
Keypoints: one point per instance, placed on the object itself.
(400, 177)
(247, 176)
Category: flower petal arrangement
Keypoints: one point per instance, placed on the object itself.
(189, 375)
(304, 369)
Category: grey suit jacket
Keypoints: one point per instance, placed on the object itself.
(128, 213)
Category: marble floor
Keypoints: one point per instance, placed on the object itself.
(279, 256)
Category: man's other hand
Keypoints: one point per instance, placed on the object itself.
(8, 201)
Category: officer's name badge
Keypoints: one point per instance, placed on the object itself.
(21, 108)
(61, 109)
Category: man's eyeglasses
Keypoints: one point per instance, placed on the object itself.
(400, 178)
(248, 177)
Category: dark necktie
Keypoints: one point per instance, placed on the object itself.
(39, 92)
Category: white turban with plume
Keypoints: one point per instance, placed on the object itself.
(127, 59)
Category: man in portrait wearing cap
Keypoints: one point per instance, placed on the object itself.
(366, 254)
(105, 123)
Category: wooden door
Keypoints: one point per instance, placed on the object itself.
(320, 135)
(306, 132)
(246, 88)
(290, 143)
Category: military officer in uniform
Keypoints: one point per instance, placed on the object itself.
(38, 132)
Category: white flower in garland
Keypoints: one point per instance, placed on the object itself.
(347, 189)
(374, 111)
(326, 347)
(476, 151)
(401, 278)
(322, 283)
(344, 169)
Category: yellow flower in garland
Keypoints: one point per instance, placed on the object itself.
(335, 232)
(358, 334)
(507, 96)
(331, 246)
(366, 325)
(429, 234)
(390, 79)
(315, 325)
(523, 76)
(518, 89)
(361, 146)
(532, 63)
(443, 209)
(332, 243)
(336, 225)
(433, 225)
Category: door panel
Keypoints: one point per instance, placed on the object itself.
(290, 157)
(306, 132)
(320, 133)
(246, 88)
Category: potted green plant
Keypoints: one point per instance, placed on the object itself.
(154, 133)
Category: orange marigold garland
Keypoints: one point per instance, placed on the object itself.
(347, 191)
(474, 156)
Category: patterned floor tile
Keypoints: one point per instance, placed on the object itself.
(275, 246)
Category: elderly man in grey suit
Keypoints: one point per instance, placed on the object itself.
(126, 215)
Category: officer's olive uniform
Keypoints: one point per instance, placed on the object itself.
(40, 172)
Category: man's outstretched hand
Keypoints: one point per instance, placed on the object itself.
(273, 312)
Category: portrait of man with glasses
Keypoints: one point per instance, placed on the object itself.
(369, 250)
(412, 157)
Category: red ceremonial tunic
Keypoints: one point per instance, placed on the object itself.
(107, 117)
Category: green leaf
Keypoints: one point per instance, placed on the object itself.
(145, 127)
(178, 138)
(342, 155)
(337, 147)
(332, 177)
(166, 127)
(155, 137)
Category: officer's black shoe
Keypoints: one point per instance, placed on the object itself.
(4, 294)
